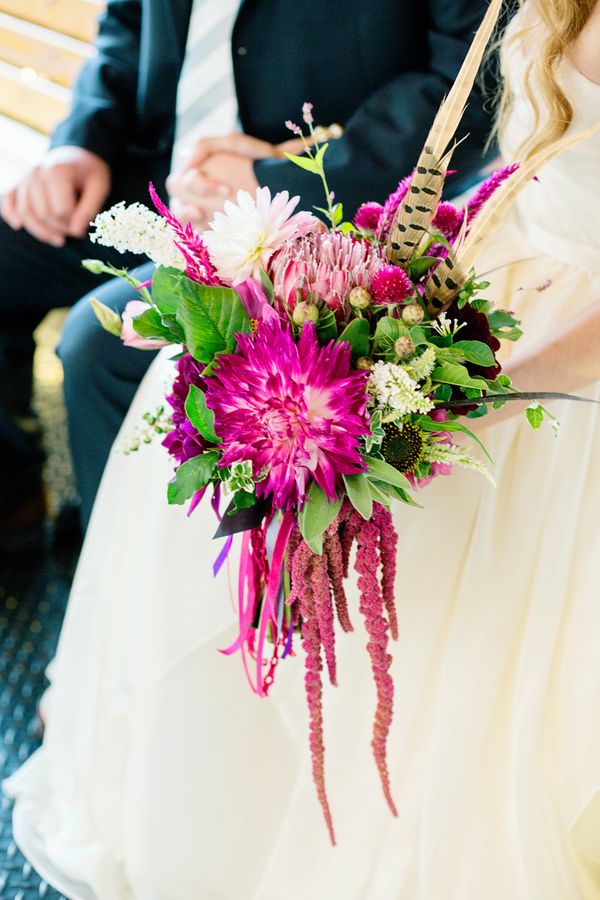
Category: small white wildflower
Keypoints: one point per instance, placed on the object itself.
(445, 326)
(441, 452)
(136, 229)
(421, 368)
(394, 389)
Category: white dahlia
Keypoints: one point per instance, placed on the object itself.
(243, 237)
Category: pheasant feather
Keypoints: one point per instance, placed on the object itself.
(452, 273)
(415, 215)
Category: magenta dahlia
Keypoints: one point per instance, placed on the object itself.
(322, 266)
(295, 410)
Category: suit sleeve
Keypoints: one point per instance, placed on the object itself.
(383, 138)
(102, 115)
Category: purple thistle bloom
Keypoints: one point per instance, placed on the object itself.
(198, 263)
(184, 442)
(295, 410)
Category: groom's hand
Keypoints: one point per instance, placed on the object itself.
(215, 170)
(59, 196)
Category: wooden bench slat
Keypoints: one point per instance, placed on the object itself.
(77, 18)
(55, 56)
(27, 97)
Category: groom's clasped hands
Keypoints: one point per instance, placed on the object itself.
(215, 169)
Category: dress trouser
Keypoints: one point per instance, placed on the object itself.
(101, 376)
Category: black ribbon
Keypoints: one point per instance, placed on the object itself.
(243, 519)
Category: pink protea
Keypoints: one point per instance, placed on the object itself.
(368, 216)
(390, 286)
(322, 266)
(198, 263)
(295, 410)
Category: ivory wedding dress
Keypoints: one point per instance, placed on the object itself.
(162, 777)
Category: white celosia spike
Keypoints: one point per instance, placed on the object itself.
(136, 229)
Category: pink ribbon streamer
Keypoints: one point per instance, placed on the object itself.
(269, 604)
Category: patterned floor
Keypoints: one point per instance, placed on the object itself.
(33, 595)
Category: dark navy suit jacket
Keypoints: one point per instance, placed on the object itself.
(378, 67)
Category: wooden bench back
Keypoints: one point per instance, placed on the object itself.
(43, 44)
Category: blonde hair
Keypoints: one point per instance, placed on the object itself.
(558, 23)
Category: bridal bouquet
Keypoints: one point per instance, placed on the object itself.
(324, 373)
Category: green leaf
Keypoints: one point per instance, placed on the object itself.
(476, 352)
(427, 424)
(388, 331)
(316, 516)
(379, 493)
(326, 326)
(535, 415)
(418, 335)
(191, 476)
(149, 325)
(380, 470)
(348, 228)
(166, 295)
(241, 500)
(453, 373)
(108, 318)
(200, 415)
(320, 155)
(338, 214)
(418, 267)
(444, 392)
(210, 317)
(357, 333)
(504, 326)
(359, 494)
(304, 162)
(267, 285)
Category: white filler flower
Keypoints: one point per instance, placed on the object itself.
(136, 229)
(395, 390)
(243, 237)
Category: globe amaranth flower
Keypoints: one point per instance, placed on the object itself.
(368, 216)
(391, 285)
(296, 411)
(184, 442)
(243, 238)
(323, 266)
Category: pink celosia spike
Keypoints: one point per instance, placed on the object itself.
(482, 195)
(323, 605)
(198, 263)
(372, 607)
(388, 545)
(390, 208)
(314, 695)
(335, 560)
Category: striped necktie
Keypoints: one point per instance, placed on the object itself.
(206, 97)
